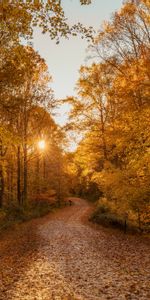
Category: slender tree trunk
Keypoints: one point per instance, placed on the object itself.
(25, 174)
(18, 176)
(103, 135)
(3, 151)
(9, 184)
(44, 168)
(139, 220)
(125, 225)
(11, 181)
(37, 175)
(1, 186)
(59, 192)
(25, 163)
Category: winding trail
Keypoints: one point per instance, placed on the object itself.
(63, 257)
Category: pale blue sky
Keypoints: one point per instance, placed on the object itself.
(64, 60)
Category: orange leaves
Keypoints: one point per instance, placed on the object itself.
(18, 20)
(129, 10)
(113, 106)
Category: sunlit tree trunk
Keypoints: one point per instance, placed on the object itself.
(25, 162)
(103, 133)
(38, 175)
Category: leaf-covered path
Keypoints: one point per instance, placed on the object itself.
(62, 257)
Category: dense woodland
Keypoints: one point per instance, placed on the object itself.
(111, 112)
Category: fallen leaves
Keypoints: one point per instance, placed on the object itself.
(62, 258)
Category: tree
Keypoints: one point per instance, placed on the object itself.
(113, 109)
(20, 93)
(23, 81)
(18, 19)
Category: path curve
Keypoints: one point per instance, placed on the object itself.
(62, 257)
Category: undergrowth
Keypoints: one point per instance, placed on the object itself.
(14, 214)
(106, 215)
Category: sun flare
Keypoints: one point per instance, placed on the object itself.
(41, 144)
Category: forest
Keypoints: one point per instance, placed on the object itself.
(111, 112)
(75, 198)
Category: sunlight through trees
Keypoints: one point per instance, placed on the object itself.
(111, 111)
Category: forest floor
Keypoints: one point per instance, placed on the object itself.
(63, 257)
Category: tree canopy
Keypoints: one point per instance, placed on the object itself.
(113, 112)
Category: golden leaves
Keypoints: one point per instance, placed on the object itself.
(113, 109)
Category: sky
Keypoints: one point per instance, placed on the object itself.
(64, 60)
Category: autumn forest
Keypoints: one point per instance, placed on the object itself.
(109, 116)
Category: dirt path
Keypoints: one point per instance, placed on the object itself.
(62, 257)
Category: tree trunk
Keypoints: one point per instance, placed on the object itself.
(25, 174)
(139, 220)
(3, 151)
(1, 186)
(18, 176)
(125, 225)
(11, 181)
(103, 135)
(44, 168)
(38, 175)
(25, 162)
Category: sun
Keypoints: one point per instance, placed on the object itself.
(41, 144)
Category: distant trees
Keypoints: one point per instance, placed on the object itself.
(113, 109)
